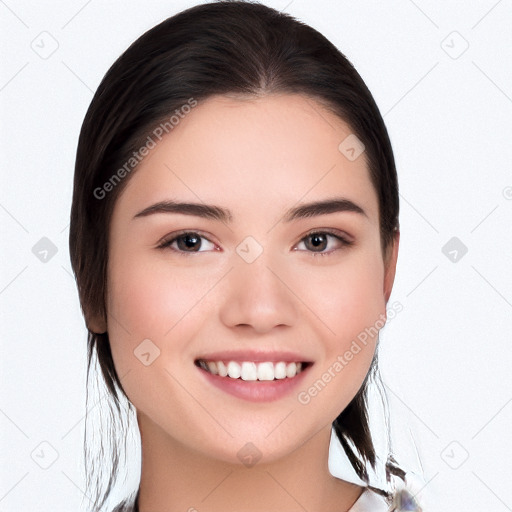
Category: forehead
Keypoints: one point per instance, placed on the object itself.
(275, 150)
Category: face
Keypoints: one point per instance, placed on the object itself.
(251, 278)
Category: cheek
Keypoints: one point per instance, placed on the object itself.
(147, 302)
(151, 297)
(349, 304)
(346, 300)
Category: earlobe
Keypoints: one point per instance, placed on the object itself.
(390, 267)
(96, 324)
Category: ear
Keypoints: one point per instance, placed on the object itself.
(390, 265)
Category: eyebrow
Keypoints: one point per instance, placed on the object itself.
(206, 211)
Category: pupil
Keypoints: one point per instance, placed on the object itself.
(318, 240)
(190, 241)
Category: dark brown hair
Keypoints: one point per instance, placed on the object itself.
(222, 48)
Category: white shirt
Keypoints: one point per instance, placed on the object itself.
(370, 501)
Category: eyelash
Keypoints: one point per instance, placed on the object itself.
(166, 244)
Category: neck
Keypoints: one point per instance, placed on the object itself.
(175, 478)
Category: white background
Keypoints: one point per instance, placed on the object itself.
(445, 358)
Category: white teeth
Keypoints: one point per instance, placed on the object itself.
(291, 370)
(251, 371)
(265, 371)
(280, 371)
(221, 368)
(234, 370)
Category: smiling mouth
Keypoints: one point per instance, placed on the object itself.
(253, 371)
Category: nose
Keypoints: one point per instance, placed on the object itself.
(257, 296)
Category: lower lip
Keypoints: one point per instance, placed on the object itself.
(256, 391)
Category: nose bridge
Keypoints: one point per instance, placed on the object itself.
(256, 293)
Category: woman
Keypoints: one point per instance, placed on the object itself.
(234, 236)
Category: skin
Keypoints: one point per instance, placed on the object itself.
(258, 158)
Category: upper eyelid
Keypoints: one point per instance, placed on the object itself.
(340, 236)
(329, 231)
(167, 240)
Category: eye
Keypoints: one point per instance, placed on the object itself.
(318, 241)
(187, 242)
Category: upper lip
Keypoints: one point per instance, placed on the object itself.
(257, 356)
